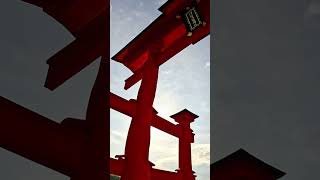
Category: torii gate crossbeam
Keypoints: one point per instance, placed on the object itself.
(128, 108)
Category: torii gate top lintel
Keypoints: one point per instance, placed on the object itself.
(169, 31)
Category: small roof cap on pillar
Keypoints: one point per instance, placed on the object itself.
(184, 116)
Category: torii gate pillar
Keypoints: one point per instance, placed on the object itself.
(184, 118)
(137, 159)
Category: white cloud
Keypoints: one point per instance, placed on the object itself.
(169, 163)
(116, 137)
(207, 65)
(114, 140)
(200, 154)
(163, 150)
(166, 104)
(118, 134)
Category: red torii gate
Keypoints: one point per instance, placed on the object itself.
(183, 22)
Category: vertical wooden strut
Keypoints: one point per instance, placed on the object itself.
(95, 164)
(98, 128)
(184, 118)
(96, 159)
(138, 140)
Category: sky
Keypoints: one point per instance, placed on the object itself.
(265, 76)
(28, 37)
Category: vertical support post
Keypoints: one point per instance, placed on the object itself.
(138, 139)
(96, 160)
(184, 118)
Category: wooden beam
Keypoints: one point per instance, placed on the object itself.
(90, 45)
(129, 107)
(39, 139)
(132, 80)
(66, 11)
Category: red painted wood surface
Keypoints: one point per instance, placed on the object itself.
(168, 32)
(138, 139)
(129, 107)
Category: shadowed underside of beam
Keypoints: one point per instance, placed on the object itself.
(38, 138)
(75, 14)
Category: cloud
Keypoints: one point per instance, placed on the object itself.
(164, 152)
(169, 155)
(207, 65)
(166, 104)
(117, 134)
(117, 137)
(200, 154)
(167, 163)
